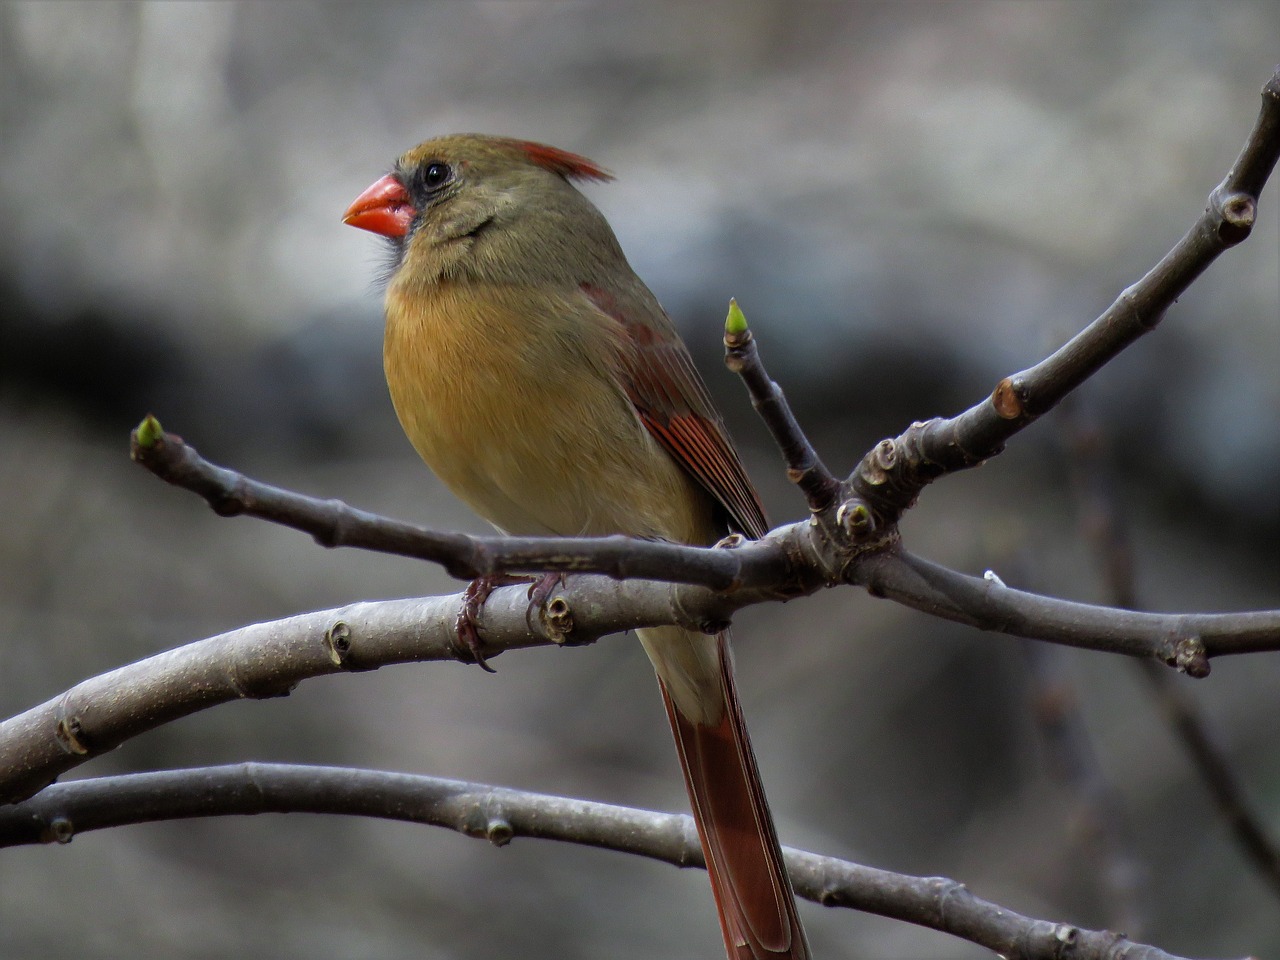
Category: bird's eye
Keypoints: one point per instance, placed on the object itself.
(435, 175)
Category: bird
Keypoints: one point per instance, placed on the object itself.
(544, 384)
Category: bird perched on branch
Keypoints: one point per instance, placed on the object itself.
(541, 380)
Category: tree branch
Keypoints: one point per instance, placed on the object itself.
(499, 815)
(1073, 763)
(793, 560)
(1182, 640)
(270, 659)
(1105, 529)
(333, 523)
(892, 474)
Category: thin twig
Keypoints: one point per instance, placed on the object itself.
(1105, 529)
(1217, 773)
(499, 815)
(1074, 763)
(804, 467)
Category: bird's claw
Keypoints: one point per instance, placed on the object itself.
(468, 623)
(470, 639)
(541, 588)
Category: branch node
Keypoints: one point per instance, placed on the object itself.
(1240, 210)
(338, 640)
(69, 733)
(1237, 210)
(1066, 934)
(231, 502)
(557, 620)
(883, 457)
(60, 830)
(1007, 399)
(732, 542)
(944, 889)
(335, 532)
(856, 520)
(499, 831)
(1190, 657)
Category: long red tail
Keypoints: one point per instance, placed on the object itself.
(753, 894)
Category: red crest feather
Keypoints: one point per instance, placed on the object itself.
(571, 166)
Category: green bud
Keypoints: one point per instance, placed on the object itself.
(735, 324)
(149, 432)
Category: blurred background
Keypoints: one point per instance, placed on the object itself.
(910, 200)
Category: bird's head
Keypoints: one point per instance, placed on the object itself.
(485, 207)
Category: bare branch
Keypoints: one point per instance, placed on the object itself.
(1182, 640)
(1210, 760)
(335, 524)
(499, 815)
(804, 467)
(269, 659)
(1105, 529)
(891, 476)
(793, 560)
(1073, 762)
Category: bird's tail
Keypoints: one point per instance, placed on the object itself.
(753, 894)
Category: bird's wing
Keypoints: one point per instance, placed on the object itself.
(674, 405)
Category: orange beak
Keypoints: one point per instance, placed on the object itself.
(383, 209)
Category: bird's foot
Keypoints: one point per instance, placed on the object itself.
(478, 591)
(473, 599)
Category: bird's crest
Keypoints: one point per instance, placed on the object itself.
(571, 166)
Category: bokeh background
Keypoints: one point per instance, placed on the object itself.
(910, 200)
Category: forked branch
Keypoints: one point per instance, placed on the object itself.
(892, 474)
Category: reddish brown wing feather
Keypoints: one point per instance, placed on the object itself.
(675, 407)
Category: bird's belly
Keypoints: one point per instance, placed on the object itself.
(536, 448)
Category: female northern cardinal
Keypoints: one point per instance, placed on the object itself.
(540, 379)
